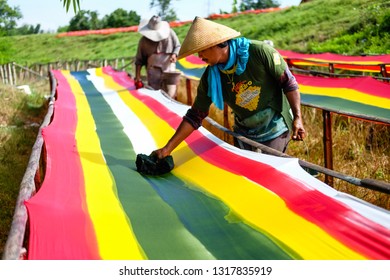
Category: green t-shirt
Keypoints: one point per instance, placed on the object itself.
(256, 89)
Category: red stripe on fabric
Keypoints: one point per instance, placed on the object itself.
(343, 223)
(333, 217)
(330, 57)
(367, 85)
(60, 227)
(361, 67)
(374, 68)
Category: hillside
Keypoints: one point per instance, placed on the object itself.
(340, 26)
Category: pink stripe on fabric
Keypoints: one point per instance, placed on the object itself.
(195, 60)
(60, 226)
(367, 85)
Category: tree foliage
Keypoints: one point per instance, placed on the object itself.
(26, 29)
(165, 11)
(89, 20)
(84, 20)
(121, 18)
(8, 17)
(234, 7)
(258, 4)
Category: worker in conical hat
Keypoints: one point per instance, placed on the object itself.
(249, 76)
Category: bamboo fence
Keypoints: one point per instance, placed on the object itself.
(12, 73)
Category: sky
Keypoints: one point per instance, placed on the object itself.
(51, 14)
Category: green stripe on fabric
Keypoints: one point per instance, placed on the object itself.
(156, 226)
(208, 219)
(149, 202)
(345, 106)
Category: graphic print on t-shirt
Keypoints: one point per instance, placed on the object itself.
(247, 95)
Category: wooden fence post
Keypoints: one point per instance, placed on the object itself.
(13, 73)
(383, 70)
(327, 139)
(10, 78)
(2, 74)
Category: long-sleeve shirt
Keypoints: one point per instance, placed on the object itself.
(147, 47)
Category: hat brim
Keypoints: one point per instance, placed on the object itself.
(211, 44)
(154, 35)
(204, 34)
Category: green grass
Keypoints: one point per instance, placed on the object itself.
(20, 118)
(361, 149)
(340, 26)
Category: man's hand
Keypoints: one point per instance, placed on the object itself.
(160, 153)
(173, 58)
(298, 133)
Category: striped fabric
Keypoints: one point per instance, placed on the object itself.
(366, 63)
(191, 66)
(362, 97)
(218, 202)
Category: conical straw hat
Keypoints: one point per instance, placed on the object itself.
(204, 34)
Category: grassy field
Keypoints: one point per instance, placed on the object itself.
(20, 118)
(361, 149)
(341, 26)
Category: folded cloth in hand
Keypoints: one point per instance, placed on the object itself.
(152, 165)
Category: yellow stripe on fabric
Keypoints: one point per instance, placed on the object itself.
(347, 94)
(189, 65)
(199, 251)
(262, 209)
(115, 237)
(256, 205)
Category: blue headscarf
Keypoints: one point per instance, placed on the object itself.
(238, 54)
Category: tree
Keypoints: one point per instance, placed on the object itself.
(26, 29)
(84, 20)
(8, 17)
(234, 8)
(121, 18)
(166, 12)
(258, 4)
